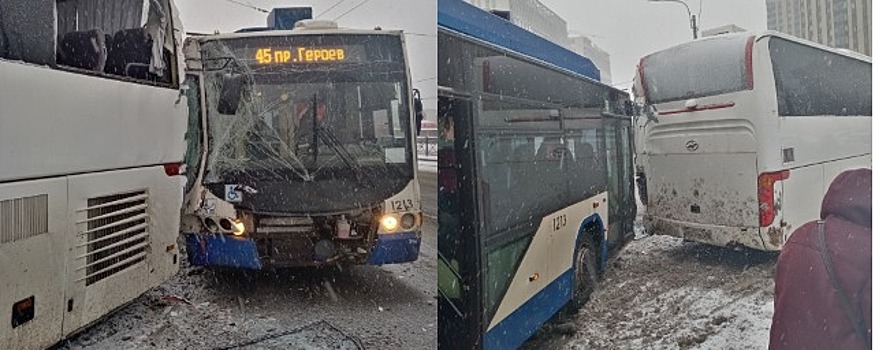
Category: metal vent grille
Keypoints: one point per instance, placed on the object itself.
(117, 235)
(24, 217)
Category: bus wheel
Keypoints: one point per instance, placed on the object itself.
(585, 274)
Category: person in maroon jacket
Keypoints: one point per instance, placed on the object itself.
(823, 280)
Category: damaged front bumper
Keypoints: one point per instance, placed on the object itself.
(220, 250)
(396, 248)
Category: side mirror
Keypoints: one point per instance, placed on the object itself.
(232, 91)
(417, 108)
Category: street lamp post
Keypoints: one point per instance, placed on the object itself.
(690, 15)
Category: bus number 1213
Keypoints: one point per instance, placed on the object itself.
(559, 222)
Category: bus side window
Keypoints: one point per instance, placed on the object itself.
(111, 37)
(27, 31)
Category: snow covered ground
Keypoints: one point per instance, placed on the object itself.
(663, 293)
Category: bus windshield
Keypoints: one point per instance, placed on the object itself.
(706, 67)
(327, 109)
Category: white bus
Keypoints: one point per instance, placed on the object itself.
(745, 132)
(91, 145)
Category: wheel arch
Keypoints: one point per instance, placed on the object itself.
(592, 227)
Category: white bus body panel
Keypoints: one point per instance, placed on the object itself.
(549, 254)
(818, 161)
(708, 194)
(161, 260)
(50, 265)
(33, 265)
(84, 123)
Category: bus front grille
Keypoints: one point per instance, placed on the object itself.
(117, 234)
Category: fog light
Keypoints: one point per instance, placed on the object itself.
(389, 222)
(226, 224)
(408, 221)
(211, 225)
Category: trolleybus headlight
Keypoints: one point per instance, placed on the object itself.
(408, 220)
(389, 222)
(239, 228)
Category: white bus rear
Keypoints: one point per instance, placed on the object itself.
(746, 133)
(91, 146)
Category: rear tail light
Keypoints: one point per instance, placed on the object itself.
(174, 169)
(641, 77)
(748, 61)
(766, 190)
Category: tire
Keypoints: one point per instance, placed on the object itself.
(585, 274)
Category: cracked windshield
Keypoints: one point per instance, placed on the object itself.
(306, 115)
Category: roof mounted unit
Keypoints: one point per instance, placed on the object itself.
(285, 18)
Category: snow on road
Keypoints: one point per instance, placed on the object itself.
(663, 293)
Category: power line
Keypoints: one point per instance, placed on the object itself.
(350, 10)
(330, 8)
(248, 5)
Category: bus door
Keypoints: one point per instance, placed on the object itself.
(621, 195)
(459, 310)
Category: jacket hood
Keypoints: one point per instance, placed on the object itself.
(850, 197)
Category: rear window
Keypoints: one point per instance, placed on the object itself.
(700, 68)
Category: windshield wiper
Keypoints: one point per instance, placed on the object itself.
(329, 139)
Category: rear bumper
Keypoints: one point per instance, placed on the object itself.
(222, 250)
(396, 248)
(750, 237)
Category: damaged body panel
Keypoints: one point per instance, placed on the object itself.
(308, 150)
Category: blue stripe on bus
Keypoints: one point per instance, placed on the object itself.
(517, 327)
(581, 234)
(467, 19)
(206, 249)
(396, 248)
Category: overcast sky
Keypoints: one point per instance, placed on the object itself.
(417, 18)
(627, 29)
(630, 29)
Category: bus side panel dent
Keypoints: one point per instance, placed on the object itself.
(222, 250)
(516, 328)
(396, 248)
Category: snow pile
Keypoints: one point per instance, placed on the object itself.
(663, 293)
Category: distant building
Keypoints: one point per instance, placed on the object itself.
(602, 59)
(729, 28)
(537, 18)
(530, 15)
(837, 23)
